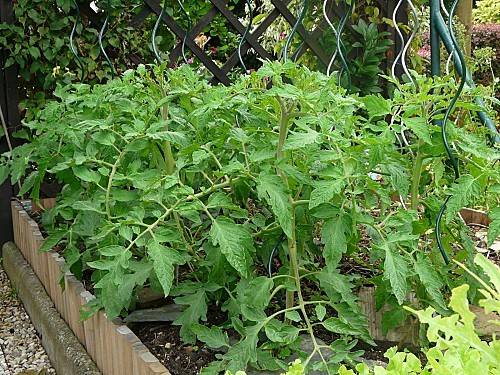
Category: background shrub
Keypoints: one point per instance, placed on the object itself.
(487, 11)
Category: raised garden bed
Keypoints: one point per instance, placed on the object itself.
(112, 345)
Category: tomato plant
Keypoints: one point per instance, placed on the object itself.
(192, 189)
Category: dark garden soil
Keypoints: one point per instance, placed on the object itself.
(164, 342)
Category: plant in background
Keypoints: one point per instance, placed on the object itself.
(457, 346)
(38, 42)
(486, 11)
(258, 197)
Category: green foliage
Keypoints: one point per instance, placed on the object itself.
(164, 174)
(457, 347)
(38, 42)
(295, 368)
(486, 11)
(368, 49)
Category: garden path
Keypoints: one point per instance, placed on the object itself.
(21, 352)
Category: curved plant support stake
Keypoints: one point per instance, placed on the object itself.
(345, 67)
(273, 253)
(443, 8)
(449, 110)
(408, 43)
(296, 54)
(183, 49)
(243, 37)
(330, 23)
(401, 38)
(72, 44)
(155, 30)
(294, 29)
(101, 33)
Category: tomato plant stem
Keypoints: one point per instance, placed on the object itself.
(415, 180)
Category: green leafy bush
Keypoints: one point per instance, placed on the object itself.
(163, 172)
(486, 11)
(38, 42)
(488, 36)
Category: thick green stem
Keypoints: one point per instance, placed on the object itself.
(415, 178)
(110, 184)
(283, 128)
(167, 147)
(294, 266)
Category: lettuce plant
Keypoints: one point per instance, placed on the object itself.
(457, 349)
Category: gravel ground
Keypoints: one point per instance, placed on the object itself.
(21, 352)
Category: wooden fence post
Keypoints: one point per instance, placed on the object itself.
(9, 100)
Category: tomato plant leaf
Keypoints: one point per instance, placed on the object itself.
(196, 309)
(461, 194)
(333, 236)
(396, 271)
(277, 331)
(213, 337)
(235, 241)
(272, 188)
(494, 229)
(54, 239)
(324, 191)
(164, 259)
(420, 127)
(430, 279)
(376, 105)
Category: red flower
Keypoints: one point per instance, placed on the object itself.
(213, 50)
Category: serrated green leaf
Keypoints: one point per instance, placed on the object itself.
(396, 271)
(320, 312)
(293, 315)
(28, 182)
(257, 292)
(176, 138)
(221, 200)
(87, 206)
(164, 259)
(398, 178)
(104, 137)
(430, 279)
(111, 250)
(324, 191)
(337, 326)
(494, 227)
(196, 310)
(393, 318)
(86, 174)
(272, 188)
(213, 337)
(461, 194)
(277, 331)
(420, 127)
(235, 241)
(53, 240)
(244, 351)
(491, 269)
(4, 173)
(298, 140)
(376, 105)
(333, 236)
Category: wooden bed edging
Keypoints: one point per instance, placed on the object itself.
(112, 345)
